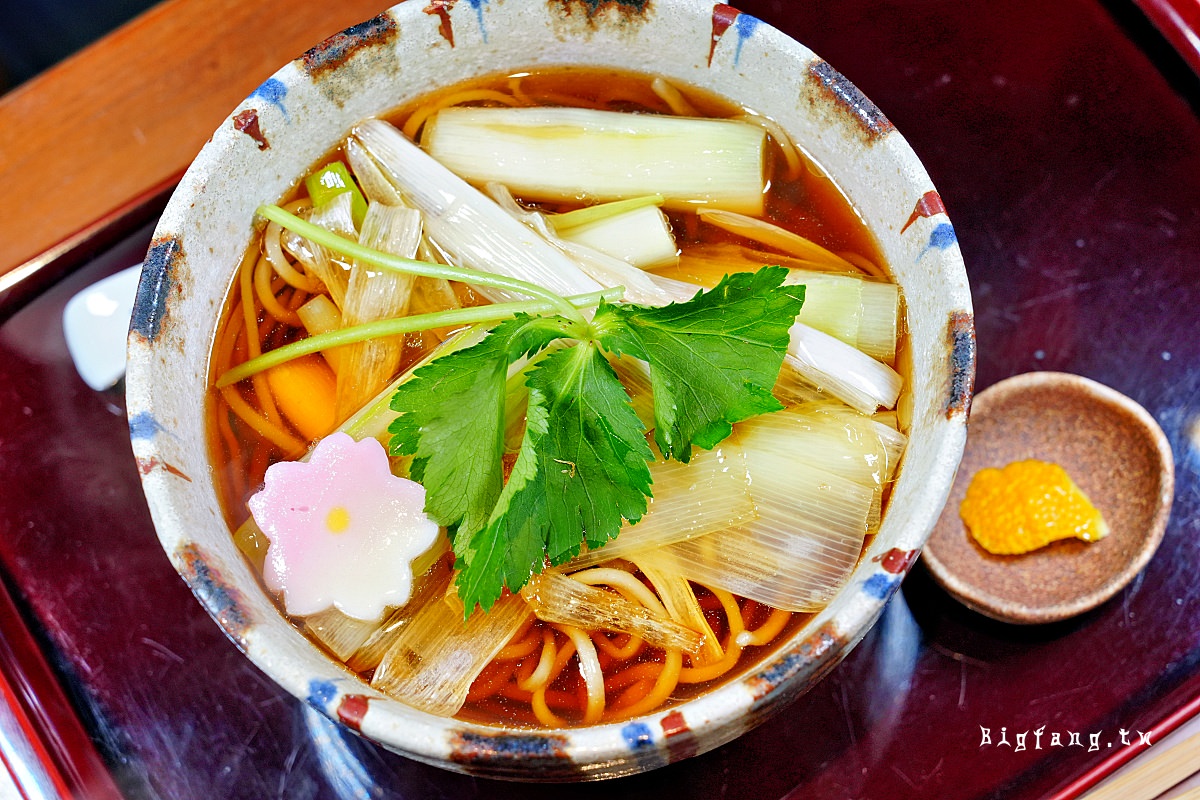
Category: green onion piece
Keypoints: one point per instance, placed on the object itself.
(330, 181)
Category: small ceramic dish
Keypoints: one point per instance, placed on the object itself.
(302, 112)
(1114, 451)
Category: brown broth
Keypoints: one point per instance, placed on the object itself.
(810, 204)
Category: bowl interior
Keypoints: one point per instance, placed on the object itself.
(299, 114)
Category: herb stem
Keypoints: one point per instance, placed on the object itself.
(345, 247)
(400, 325)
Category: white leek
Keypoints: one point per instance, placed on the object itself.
(372, 295)
(811, 520)
(557, 598)
(320, 315)
(827, 363)
(335, 216)
(577, 154)
(437, 656)
(342, 634)
(586, 215)
(838, 438)
(429, 587)
(843, 371)
(708, 493)
(468, 226)
(605, 269)
(862, 312)
(641, 237)
(374, 184)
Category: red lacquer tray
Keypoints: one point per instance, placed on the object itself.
(1064, 140)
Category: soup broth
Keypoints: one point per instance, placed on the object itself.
(538, 678)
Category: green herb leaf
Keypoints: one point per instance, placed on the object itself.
(594, 459)
(452, 420)
(582, 467)
(513, 545)
(582, 470)
(713, 360)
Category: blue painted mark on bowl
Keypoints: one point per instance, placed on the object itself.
(274, 92)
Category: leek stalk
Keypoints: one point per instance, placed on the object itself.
(374, 183)
(827, 363)
(334, 221)
(320, 315)
(588, 215)
(843, 371)
(373, 295)
(607, 270)
(640, 237)
(437, 656)
(562, 600)
(469, 228)
(706, 494)
(861, 311)
(815, 476)
(568, 154)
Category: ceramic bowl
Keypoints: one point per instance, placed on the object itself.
(301, 112)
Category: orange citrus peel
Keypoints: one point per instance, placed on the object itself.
(1026, 506)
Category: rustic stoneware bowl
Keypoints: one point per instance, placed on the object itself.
(300, 113)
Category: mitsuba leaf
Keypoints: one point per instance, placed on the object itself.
(593, 458)
(582, 466)
(512, 546)
(452, 421)
(713, 359)
(582, 470)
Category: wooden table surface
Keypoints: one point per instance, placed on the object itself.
(111, 129)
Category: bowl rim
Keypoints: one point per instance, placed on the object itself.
(608, 749)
